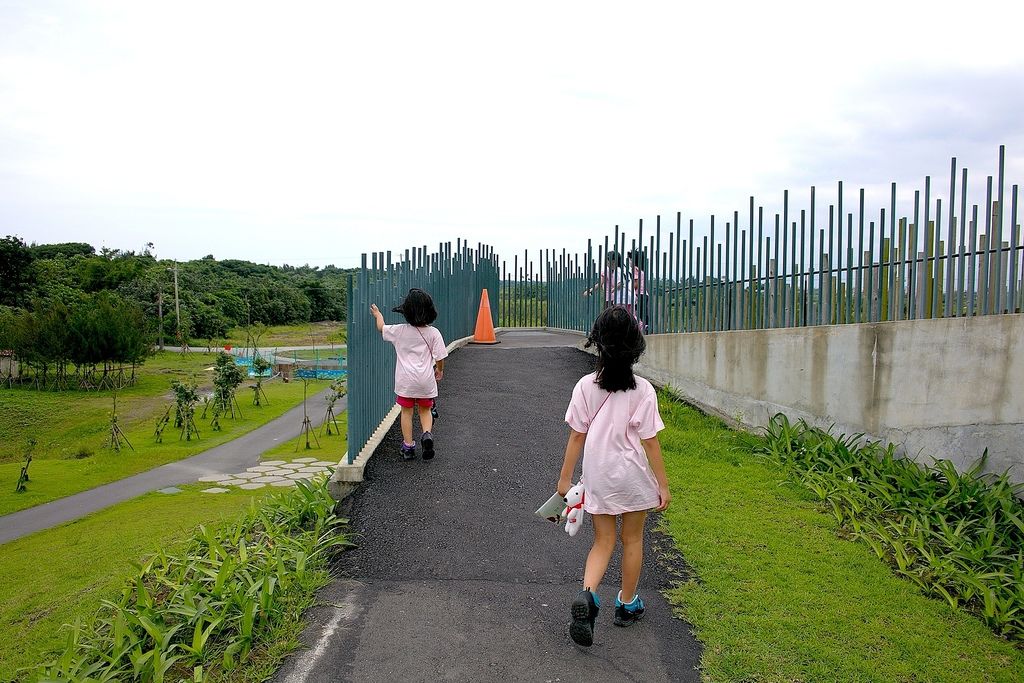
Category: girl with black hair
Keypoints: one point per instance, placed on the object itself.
(638, 267)
(420, 352)
(617, 284)
(614, 422)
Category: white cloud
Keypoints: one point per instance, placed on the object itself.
(315, 132)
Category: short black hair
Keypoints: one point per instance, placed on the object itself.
(639, 258)
(417, 307)
(614, 256)
(620, 344)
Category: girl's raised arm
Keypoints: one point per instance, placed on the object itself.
(375, 312)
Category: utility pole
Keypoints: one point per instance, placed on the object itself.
(160, 315)
(177, 307)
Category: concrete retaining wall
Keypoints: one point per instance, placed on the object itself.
(945, 388)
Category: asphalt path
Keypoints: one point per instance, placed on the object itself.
(234, 456)
(454, 577)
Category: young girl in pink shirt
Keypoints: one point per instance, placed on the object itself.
(614, 422)
(419, 365)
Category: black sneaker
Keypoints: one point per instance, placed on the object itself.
(409, 452)
(584, 612)
(628, 614)
(427, 441)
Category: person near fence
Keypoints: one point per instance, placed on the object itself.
(420, 352)
(638, 266)
(615, 282)
(614, 423)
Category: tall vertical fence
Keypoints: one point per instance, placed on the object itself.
(823, 263)
(454, 276)
(794, 268)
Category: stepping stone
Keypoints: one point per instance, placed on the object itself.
(286, 482)
(262, 468)
(313, 470)
(273, 462)
(215, 489)
(232, 482)
(292, 465)
(304, 460)
(211, 477)
(280, 472)
(172, 489)
(251, 485)
(268, 479)
(299, 475)
(324, 463)
(246, 475)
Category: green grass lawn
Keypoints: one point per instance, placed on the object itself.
(779, 596)
(304, 334)
(72, 427)
(310, 354)
(332, 448)
(60, 575)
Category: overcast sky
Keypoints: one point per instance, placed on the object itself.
(311, 132)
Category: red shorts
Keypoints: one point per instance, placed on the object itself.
(411, 402)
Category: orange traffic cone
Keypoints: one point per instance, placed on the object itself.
(484, 333)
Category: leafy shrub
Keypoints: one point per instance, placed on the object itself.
(226, 378)
(195, 614)
(958, 536)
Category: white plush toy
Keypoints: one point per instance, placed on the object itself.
(574, 509)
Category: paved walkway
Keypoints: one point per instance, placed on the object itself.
(228, 458)
(454, 577)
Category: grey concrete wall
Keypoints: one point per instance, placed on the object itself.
(938, 388)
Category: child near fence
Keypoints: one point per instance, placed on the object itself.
(614, 422)
(420, 352)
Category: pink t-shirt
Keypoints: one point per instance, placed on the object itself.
(617, 290)
(639, 280)
(417, 349)
(616, 475)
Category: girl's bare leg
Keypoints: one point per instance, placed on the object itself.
(601, 552)
(407, 425)
(426, 419)
(632, 552)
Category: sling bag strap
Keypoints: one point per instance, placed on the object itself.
(429, 350)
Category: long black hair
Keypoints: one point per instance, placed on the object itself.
(619, 345)
(417, 307)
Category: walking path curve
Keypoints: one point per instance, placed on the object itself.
(234, 456)
(454, 577)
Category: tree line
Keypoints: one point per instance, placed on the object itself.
(98, 344)
(213, 295)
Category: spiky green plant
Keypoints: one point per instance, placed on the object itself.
(202, 611)
(959, 536)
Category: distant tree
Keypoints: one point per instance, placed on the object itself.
(259, 366)
(62, 250)
(186, 395)
(15, 259)
(324, 300)
(111, 269)
(207, 323)
(7, 323)
(56, 279)
(226, 378)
